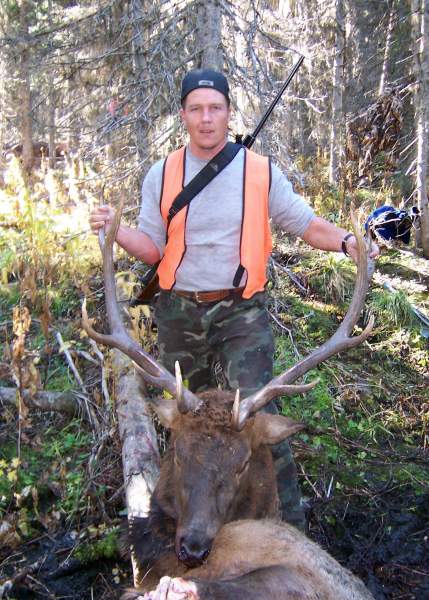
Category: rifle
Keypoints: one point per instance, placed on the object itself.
(149, 282)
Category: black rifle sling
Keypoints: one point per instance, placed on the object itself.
(203, 178)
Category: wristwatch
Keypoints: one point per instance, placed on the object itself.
(344, 243)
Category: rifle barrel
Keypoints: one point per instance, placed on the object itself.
(250, 139)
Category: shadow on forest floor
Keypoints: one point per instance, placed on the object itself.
(383, 538)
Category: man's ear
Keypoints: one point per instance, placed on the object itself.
(272, 429)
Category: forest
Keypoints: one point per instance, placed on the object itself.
(89, 100)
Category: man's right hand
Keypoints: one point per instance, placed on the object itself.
(133, 241)
(101, 216)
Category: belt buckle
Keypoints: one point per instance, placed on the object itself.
(197, 297)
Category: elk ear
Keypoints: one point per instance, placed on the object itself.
(166, 410)
(271, 429)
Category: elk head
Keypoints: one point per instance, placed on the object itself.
(218, 466)
(213, 473)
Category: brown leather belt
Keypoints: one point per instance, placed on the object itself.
(213, 296)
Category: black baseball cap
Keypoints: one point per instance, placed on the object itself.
(204, 78)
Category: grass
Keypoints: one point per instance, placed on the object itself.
(333, 278)
(356, 413)
(44, 269)
(392, 310)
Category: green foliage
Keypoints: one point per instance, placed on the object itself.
(58, 462)
(11, 9)
(333, 278)
(9, 296)
(58, 377)
(328, 202)
(64, 302)
(105, 548)
(334, 203)
(59, 444)
(8, 474)
(314, 407)
(391, 310)
(36, 247)
(7, 258)
(312, 324)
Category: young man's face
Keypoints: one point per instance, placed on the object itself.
(205, 115)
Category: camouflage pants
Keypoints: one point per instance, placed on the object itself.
(234, 334)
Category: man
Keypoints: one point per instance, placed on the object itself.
(212, 273)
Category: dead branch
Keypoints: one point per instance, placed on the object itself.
(65, 402)
(291, 276)
(375, 130)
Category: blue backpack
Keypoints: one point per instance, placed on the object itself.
(389, 223)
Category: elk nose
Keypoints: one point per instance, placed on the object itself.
(192, 553)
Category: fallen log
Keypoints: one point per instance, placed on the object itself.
(65, 402)
(140, 454)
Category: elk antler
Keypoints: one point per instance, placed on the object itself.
(152, 371)
(235, 414)
(341, 340)
(182, 402)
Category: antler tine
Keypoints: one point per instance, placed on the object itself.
(339, 341)
(179, 383)
(182, 401)
(152, 371)
(275, 391)
(235, 416)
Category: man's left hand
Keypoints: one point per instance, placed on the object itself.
(352, 249)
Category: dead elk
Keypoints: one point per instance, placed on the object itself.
(218, 467)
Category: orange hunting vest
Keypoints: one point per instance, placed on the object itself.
(255, 243)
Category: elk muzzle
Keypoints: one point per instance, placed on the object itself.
(193, 548)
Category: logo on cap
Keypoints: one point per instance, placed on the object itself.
(205, 82)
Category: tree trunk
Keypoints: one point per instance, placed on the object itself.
(138, 8)
(420, 9)
(51, 105)
(240, 60)
(209, 35)
(385, 66)
(3, 98)
(51, 124)
(337, 93)
(25, 91)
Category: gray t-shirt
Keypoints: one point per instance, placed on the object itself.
(213, 224)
